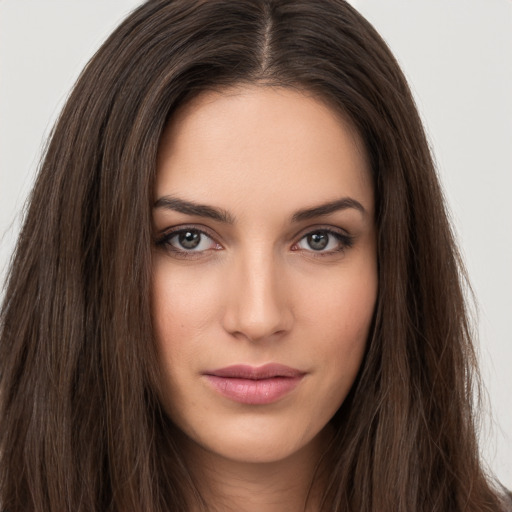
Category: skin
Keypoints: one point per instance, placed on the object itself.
(255, 291)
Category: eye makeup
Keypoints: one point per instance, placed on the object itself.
(323, 241)
(194, 242)
(187, 242)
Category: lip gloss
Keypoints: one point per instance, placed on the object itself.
(254, 385)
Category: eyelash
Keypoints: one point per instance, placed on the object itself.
(165, 242)
(345, 241)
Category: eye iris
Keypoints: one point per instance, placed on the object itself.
(189, 239)
(318, 241)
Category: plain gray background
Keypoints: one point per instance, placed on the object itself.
(457, 55)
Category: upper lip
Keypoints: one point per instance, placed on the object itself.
(267, 371)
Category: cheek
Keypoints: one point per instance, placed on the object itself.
(343, 303)
(340, 319)
(183, 307)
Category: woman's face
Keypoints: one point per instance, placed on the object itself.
(265, 273)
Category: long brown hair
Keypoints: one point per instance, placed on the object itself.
(81, 427)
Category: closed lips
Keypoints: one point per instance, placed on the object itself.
(254, 385)
(267, 371)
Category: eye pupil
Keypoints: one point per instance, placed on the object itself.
(318, 241)
(189, 239)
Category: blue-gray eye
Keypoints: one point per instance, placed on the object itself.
(190, 240)
(323, 241)
(318, 241)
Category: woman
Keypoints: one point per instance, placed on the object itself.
(236, 287)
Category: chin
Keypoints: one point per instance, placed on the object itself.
(267, 444)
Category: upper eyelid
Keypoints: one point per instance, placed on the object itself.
(167, 232)
(320, 227)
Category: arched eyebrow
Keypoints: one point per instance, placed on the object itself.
(327, 208)
(192, 208)
(221, 215)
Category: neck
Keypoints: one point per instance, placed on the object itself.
(293, 484)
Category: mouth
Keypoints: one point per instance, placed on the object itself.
(254, 385)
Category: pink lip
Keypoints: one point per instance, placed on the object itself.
(254, 385)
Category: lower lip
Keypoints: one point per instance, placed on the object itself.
(254, 392)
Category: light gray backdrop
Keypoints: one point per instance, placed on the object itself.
(457, 56)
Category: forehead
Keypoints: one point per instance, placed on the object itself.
(272, 144)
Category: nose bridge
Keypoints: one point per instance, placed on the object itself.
(258, 306)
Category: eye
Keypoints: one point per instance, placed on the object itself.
(188, 240)
(324, 241)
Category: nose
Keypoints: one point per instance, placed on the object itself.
(258, 305)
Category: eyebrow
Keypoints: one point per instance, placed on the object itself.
(221, 215)
(191, 208)
(328, 208)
